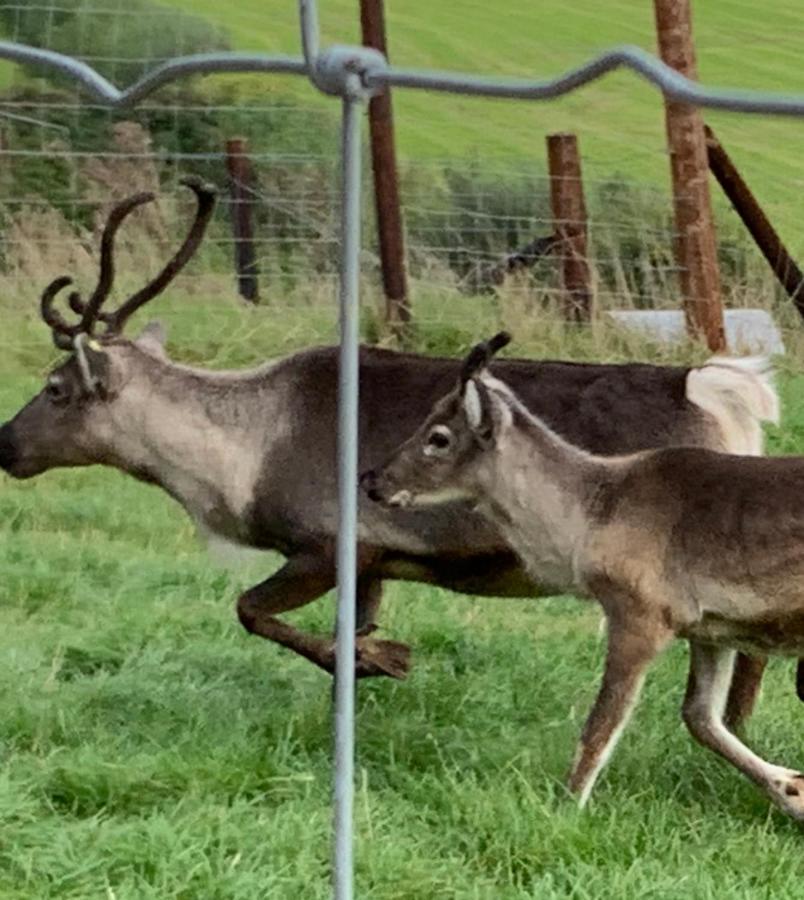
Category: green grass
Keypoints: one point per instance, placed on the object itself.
(149, 748)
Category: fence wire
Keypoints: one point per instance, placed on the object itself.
(65, 157)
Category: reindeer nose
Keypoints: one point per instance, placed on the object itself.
(8, 448)
(368, 483)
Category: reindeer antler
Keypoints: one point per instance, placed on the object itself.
(480, 354)
(90, 312)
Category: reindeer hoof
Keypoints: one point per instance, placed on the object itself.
(788, 792)
(375, 657)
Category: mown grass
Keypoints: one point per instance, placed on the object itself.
(150, 748)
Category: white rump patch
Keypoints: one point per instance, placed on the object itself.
(739, 393)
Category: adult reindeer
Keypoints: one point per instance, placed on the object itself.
(675, 542)
(251, 455)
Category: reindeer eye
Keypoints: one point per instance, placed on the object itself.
(56, 391)
(439, 439)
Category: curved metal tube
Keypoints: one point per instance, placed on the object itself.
(308, 20)
(639, 61)
(99, 88)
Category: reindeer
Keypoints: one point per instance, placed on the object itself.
(251, 455)
(672, 542)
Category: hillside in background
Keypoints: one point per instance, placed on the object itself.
(473, 167)
(619, 120)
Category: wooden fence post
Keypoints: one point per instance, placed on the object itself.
(569, 217)
(759, 226)
(696, 252)
(386, 180)
(238, 166)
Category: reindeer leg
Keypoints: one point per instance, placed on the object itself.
(744, 690)
(369, 597)
(300, 581)
(389, 657)
(630, 651)
(710, 675)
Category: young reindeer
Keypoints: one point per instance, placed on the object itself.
(251, 455)
(676, 542)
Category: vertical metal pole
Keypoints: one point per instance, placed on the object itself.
(308, 16)
(347, 495)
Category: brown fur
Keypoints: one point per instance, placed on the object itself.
(226, 445)
(678, 541)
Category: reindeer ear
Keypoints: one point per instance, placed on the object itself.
(94, 368)
(152, 339)
(472, 404)
(479, 412)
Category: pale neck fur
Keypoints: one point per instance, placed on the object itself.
(200, 435)
(537, 488)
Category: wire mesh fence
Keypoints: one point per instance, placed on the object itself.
(62, 165)
(65, 159)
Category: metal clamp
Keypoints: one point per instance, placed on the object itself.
(345, 71)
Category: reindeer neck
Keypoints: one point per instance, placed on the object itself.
(200, 435)
(538, 491)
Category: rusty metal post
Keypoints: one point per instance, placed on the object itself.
(765, 236)
(238, 166)
(696, 252)
(569, 217)
(386, 180)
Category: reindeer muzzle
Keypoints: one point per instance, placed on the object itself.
(370, 487)
(9, 451)
(373, 487)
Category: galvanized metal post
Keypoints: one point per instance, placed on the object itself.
(347, 492)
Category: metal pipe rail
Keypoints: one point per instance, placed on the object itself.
(328, 69)
(354, 74)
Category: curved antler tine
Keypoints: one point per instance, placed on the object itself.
(500, 340)
(479, 356)
(205, 195)
(90, 310)
(75, 303)
(52, 317)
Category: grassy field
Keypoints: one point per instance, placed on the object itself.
(619, 120)
(151, 749)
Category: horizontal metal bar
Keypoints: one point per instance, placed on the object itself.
(103, 90)
(644, 64)
(649, 67)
